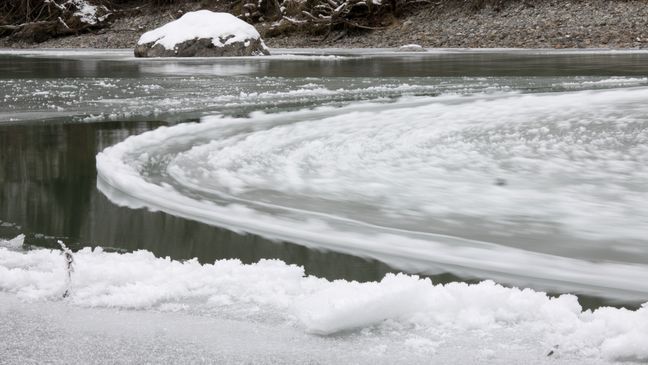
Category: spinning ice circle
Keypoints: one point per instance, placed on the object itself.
(518, 187)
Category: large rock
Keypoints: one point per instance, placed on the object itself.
(202, 34)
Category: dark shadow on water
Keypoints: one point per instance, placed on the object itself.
(48, 189)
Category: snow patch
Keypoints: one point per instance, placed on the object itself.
(87, 12)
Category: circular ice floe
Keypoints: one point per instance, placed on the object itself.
(528, 188)
(202, 34)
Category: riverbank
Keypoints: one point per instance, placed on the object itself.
(445, 23)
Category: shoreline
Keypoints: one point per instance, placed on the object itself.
(446, 24)
(319, 52)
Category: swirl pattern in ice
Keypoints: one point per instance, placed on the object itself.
(533, 188)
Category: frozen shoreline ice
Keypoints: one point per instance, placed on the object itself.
(402, 313)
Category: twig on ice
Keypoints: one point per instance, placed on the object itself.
(69, 267)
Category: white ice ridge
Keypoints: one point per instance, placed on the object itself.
(16, 243)
(382, 174)
(398, 308)
(222, 28)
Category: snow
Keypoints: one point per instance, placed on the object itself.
(88, 12)
(349, 305)
(423, 317)
(362, 155)
(222, 28)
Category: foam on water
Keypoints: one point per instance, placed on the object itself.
(520, 187)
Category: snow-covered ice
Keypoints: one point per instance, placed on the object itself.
(404, 313)
(221, 28)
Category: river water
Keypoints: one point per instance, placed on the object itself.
(530, 168)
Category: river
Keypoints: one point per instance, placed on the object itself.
(526, 167)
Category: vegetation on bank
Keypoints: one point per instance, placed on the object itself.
(39, 20)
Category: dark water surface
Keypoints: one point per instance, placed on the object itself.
(347, 64)
(47, 160)
(48, 191)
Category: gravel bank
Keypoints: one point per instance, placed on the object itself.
(524, 24)
(445, 23)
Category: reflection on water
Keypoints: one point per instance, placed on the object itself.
(343, 64)
(48, 188)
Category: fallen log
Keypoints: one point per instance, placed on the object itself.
(37, 32)
(54, 18)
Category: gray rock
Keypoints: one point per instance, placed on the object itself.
(203, 47)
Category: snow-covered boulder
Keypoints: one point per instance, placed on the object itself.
(202, 33)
